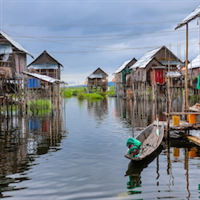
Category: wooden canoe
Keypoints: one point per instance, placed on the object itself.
(150, 141)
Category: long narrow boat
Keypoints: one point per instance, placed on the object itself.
(150, 141)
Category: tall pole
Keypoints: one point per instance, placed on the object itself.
(186, 70)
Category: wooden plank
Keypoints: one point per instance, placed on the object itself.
(194, 139)
(182, 113)
(194, 109)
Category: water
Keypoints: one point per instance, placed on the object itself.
(80, 156)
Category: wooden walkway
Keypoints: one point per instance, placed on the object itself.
(183, 126)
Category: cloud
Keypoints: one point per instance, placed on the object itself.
(74, 41)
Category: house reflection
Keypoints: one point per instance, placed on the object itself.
(21, 140)
(138, 114)
(98, 108)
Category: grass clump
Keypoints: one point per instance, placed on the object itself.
(75, 92)
(67, 92)
(40, 104)
(103, 94)
(92, 96)
(80, 96)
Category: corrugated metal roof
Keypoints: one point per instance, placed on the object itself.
(172, 62)
(43, 53)
(159, 67)
(122, 67)
(14, 43)
(5, 48)
(44, 78)
(195, 63)
(195, 13)
(95, 76)
(173, 74)
(44, 66)
(144, 60)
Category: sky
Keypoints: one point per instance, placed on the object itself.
(84, 35)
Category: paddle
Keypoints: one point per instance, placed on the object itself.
(157, 133)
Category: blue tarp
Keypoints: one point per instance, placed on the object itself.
(33, 83)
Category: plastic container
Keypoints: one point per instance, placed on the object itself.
(176, 152)
(192, 119)
(192, 153)
(175, 120)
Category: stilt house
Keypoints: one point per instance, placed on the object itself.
(12, 57)
(98, 79)
(150, 69)
(45, 64)
(193, 71)
(12, 63)
(194, 67)
(123, 78)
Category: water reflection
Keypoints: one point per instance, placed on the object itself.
(133, 172)
(98, 108)
(22, 139)
(138, 114)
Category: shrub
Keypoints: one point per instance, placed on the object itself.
(75, 92)
(93, 96)
(80, 96)
(67, 93)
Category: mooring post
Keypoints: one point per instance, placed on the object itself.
(50, 98)
(4, 109)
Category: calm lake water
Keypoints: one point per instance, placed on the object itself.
(80, 155)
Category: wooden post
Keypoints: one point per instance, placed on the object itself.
(184, 104)
(168, 118)
(33, 99)
(50, 98)
(25, 94)
(7, 104)
(19, 95)
(58, 98)
(4, 109)
(16, 101)
(53, 98)
(11, 106)
(186, 70)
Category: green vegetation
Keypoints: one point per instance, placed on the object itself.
(111, 91)
(40, 104)
(103, 94)
(39, 107)
(92, 96)
(80, 96)
(81, 93)
(73, 91)
(67, 92)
